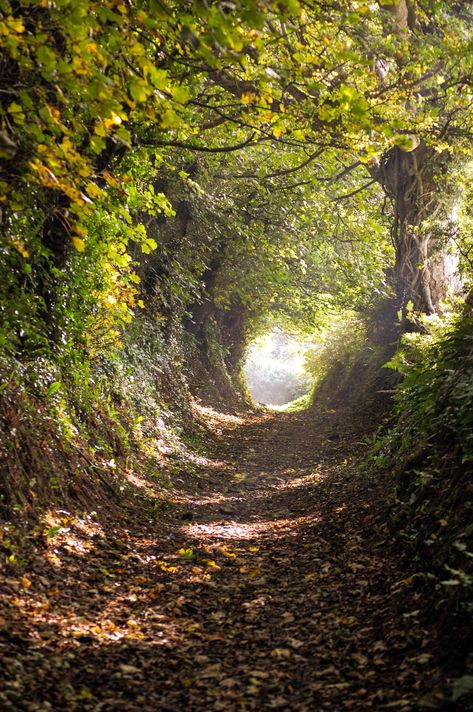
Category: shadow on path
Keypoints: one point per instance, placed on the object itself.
(271, 585)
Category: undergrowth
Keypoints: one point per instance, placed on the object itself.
(336, 346)
(82, 435)
(430, 448)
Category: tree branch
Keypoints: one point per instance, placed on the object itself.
(354, 192)
(193, 147)
(276, 174)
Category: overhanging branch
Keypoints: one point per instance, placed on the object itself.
(354, 192)
(194, 147)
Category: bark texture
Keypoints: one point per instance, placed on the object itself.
(408, 179)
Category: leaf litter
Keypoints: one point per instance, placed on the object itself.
(288, 599)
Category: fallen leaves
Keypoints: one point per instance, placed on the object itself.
(280, 653)
(286, 607)
(129, 669)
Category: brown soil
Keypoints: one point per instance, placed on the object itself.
(268, 583)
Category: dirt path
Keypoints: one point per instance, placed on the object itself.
(270, 585)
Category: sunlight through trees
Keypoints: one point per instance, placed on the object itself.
(205, 206)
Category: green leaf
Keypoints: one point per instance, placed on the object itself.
(170, 119)
(406, 142)
(46, 57)
(53, 388)
(139, 90)
(52, 531)
(159, 78)
(186, 553)
(181, 94)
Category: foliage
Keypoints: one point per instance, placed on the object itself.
(335, 346)
(293, 111)
(178, 176)
(82, 89)
(430, 447)
(84, 431)
(289, 259)
(436, 395)
(462, 219)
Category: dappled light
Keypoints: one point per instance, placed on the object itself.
(192, 598)
(236, 364)
(236, 530)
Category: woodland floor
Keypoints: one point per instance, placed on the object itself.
(269, 583)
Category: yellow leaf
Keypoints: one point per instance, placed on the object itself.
(229, 554)
(80, 230)
(93, 190)
(20, 246)
(114, 120)
(248, 97)
(107, 176)
(17, 25)
(78, 243)
(85, 171)
(211, 564)
(25, 582)
(268, 116)
(278, 130)
(16, 111)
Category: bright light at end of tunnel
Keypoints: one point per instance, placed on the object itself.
(274, 368)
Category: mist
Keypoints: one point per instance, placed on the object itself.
(274, 369)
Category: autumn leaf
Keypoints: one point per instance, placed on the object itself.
(186, 553)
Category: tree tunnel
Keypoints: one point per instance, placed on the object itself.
(236, 354)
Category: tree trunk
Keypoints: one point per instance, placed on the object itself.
(409, 180)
